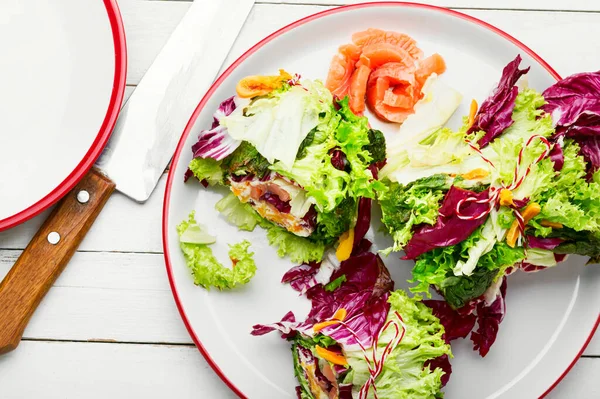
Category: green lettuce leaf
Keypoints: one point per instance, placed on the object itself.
(331, 225)
(354, 140)
(335, 284)
(485, 243)
(376, 146)
(299, 249)
(321, 180)
(206, 269)
(459, 290)
(278, 123)
(406, 206)
(246, 160)
(404, 375)
(578, 243)
(240, 214)
(314, 171)
(529, 120)
(437, 267)
(568, 198)
(207, 169)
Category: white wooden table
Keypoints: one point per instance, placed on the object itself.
(109, 326)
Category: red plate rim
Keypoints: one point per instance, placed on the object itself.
(116, 98)
(231, 68)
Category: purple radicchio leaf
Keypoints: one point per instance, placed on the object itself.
(495, 114)
(216, 143)
(364, 295)
(543, 243)
(442, 362)
(456, 325)
(363, 222)
(288, 326)
(489, 316)
(449, 229)
(557, 156)
(574, 104)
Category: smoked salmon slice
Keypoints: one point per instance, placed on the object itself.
(358, 88)
(402, 90)
(374, 36)
(384, 71)
(391, 103)
(381, 53)
(341, 69)
(432, 64)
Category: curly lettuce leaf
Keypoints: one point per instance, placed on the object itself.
(354, 140)
(331, 225)
(437, 268)
(299, 249)
(406, 372)
(569, 198)
(207, 169)
(315, 172)
(406, 206)
(206, 269)
(240, 214)
(529, 120)
(317, 175)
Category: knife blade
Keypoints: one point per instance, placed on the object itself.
(139, 150)
(152, 120)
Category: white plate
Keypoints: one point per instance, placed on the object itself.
(551, 315)
(62, 78)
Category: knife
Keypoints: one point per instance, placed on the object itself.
(139, 150)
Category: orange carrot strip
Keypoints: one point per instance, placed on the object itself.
(554, 225)
(531, 211)
(506, 197)
(340, 314)
(319, 326)
(473, 112)
(478, 173)
(330, 356)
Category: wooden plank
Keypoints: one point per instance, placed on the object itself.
(97, 371)
(593, 348)
(105, 296)
(148, 25)
(576, 5)
(123, 225)
(122, 297)
(120, 225)
(581, 382)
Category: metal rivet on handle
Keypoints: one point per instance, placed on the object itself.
(83, 197)
(53, 238)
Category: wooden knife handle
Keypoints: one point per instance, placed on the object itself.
(47, 254)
